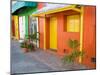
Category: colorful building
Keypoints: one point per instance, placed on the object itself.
(60, 22)
(21, 12)
(57, 23)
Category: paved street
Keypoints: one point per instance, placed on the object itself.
(37, 61)
(23, 62)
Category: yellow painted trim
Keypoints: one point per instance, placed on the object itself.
(75, 9)
(16, 27)
(37, 15)
(71, 7)
(81, 33)
(44, 33)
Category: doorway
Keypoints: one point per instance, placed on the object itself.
(53, 33)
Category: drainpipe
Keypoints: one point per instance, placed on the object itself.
(81, 34)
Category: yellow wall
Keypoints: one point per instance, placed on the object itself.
(53, 33)
(16, 27)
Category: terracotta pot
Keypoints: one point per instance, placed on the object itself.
(25, 50)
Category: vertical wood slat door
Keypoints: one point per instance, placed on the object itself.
(16, 27)
(53, 33)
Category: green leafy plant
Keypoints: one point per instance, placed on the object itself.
(34, 37)
(24, 44)
(31, 47)
(73, 44)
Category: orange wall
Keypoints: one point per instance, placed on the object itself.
(64, 36)
(41, 31)
(13, 27)
(60, 23)
(89, 35)
(41, 27)
(47, 33)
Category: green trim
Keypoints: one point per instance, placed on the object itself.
(26, 26)
(27, 11)
(20, 4)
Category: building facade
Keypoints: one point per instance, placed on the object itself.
(21, 15)
(57, 26)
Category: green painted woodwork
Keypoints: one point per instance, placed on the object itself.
(25, 11)
(22, 4)
(26, 26)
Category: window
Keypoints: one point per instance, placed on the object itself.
(73, 23)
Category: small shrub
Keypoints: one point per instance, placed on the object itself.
(73, 44)
(23, 44)
(31, 46)
(72, 57)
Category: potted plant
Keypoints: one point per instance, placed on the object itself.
(71, 58)
(24, 46)
(34, 38)
(31, 47)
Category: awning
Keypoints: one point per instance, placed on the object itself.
(20, 8)
(54, 8)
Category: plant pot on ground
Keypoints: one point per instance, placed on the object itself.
(24, 46)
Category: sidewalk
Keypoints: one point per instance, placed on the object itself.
(37, 61)
(24, 63)
(53, 61)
